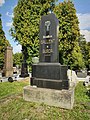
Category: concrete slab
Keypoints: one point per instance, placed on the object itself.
(52, 97)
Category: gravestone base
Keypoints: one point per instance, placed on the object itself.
(58, 98)
(50, 83)
(24, 75)
(50, 75)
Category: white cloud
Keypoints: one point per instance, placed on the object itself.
(9, 15)
(87, 34)
(9, 24)
(17, 48)
(2, 2)
(84, 25)
(84, 20)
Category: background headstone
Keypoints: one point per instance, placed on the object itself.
(8, 62)
(24, 68)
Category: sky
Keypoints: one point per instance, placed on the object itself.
(82, 10)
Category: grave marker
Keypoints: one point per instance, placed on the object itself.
(8, 62)
(49, 73)
(49, 27)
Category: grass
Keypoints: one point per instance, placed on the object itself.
(13, 107)
(7, 88)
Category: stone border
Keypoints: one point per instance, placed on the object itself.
(59, 98)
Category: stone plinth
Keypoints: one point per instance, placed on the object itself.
(8, 62)
(58, 98)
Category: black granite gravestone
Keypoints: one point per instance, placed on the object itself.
(49, 73)
(49, 39)
(24, 69)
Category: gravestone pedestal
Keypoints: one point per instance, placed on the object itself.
(50, 75)
(58, 98)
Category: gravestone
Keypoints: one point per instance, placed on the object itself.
(24, 68)
(8, 62)
(49, 27)
(49, 82)
(49, 73)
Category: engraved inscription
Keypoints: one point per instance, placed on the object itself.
(47, 51)
(49, 36)
(47, 41)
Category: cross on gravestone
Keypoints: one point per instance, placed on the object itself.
(49, 27)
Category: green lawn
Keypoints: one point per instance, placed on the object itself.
(13, 107)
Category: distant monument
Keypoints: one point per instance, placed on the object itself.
(8, 62)
(49, 73)
(24, 69)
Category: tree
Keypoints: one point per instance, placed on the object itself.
(85, 49)
(26, 20)
(3, 44)
(17, 59)
(88, 56)
(69, 34)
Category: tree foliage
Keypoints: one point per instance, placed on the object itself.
(17, 59)
(26, 20)
(88, 56)
(25, 29)
(85, 50)
(69, 34)
(3, 44)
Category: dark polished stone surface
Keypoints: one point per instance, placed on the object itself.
(49, 27)
(63, 72)
(50, 75)
(47, 83)
(24, 71)
(46, 71)
(24, 68)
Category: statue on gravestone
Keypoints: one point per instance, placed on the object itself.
(24, 69)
